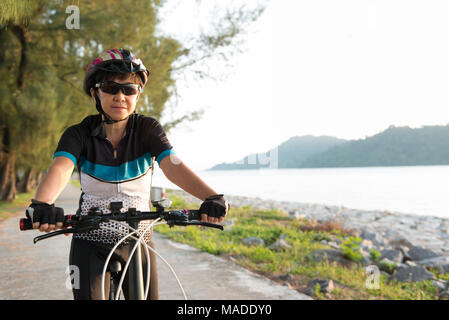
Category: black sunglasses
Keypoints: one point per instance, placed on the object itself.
(112, 87)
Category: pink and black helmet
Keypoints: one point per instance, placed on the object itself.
(114, 61)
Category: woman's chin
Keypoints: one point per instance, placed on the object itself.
(118, 114)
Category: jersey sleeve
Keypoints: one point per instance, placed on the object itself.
(70, 145)
(159, 145)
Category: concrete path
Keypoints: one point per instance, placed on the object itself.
(37, 271)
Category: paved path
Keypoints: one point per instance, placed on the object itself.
(29, 271)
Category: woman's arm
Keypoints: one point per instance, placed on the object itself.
(177, 172)
(55, 180)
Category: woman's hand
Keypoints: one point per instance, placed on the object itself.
(46, 217)
(214, 209)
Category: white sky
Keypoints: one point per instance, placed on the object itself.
(347, 69)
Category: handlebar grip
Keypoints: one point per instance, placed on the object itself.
(27, 224)
(194, 214)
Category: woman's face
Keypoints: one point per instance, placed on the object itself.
(117, 106)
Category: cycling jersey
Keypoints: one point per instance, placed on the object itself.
(110, 174)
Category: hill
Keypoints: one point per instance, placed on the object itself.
(290, 154)
(395, 146)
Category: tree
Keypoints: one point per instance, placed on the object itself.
(42, 64)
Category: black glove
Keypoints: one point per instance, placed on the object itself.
(215, 206)
(44, 213)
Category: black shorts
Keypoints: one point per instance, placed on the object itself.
(89, 258)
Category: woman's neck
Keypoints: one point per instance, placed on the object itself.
(116, 131)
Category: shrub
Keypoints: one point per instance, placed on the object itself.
(374, 254)
(350, 249)
(387, 267)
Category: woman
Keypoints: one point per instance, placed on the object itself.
(114, 153)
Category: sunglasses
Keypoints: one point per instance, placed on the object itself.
(112, 87)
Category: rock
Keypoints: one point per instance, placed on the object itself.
(331, 255)
(443, 268)
(309, 291)
(280, 244)
(229, 224)
(444, 295)
(287, 284)
(297, 215)
(336, 239)
(399, 240)
(405, 256)
(412, 274)
(324, 241)
(375, 238)
(367, 243)
(410, 263)
(366, 260)
(253, 241)
(393, 255)
(440, 262)
(334, 245)
(286, 277)
(441, 285)
(419, 253)
(326, 286)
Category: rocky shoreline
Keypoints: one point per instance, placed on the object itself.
(410, 246)
(379, 226)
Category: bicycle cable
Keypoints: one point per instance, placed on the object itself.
(140, 239)
(130, 257)
(166, 262)
(103, 275)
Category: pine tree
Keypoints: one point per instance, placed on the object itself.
(42, 63)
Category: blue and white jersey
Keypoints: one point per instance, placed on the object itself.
(110, 174)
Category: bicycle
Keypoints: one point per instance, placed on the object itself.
(91, 221)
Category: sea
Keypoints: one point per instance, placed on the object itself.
(420, 190)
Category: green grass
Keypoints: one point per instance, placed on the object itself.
(270, 225)
(10, 208)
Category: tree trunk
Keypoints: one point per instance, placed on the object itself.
(21, 32)
(28, 181)
(39, 177)
(7, 176)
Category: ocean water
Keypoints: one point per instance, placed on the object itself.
(421, 190)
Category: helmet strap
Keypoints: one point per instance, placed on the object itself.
(107, 119)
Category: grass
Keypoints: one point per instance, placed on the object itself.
(350, 282)
(21, 202)
(11, 208)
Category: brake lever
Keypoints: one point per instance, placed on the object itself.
(53, 234)
(81, 226)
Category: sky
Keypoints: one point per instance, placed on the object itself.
(348, 69)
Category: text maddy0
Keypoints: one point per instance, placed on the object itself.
(226, 309)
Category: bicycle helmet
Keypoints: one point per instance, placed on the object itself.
(113, 61)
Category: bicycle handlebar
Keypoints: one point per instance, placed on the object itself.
(91, 221)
